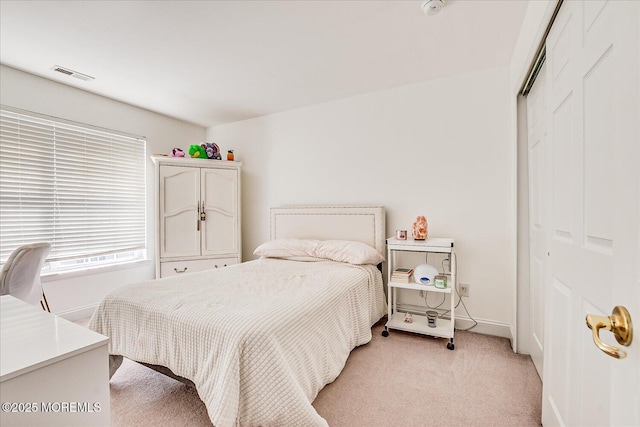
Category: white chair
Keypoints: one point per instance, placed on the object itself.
(20, 275)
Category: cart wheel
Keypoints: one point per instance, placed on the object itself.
(450, 346)
(385, 333)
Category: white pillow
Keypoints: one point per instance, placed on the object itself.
(348, 251)
(286, 248)
(335, 250)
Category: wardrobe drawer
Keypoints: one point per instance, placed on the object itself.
(173, 268)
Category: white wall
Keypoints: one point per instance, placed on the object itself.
(439, 148)
(444, 148)
(76, 296)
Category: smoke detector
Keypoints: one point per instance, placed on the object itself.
(72, 73)
(431, 7)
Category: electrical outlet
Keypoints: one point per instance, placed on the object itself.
(464, 289)
(446, 265)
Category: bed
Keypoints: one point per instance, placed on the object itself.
(260, 339)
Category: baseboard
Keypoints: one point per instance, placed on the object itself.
(78, 313)
(483, 326)
(487, 327)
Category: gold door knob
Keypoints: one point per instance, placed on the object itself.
(619, 323)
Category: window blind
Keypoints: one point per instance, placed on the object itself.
(81, 189)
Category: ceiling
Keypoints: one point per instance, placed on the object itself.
(216, 62)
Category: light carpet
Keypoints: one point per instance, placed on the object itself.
(401, 380)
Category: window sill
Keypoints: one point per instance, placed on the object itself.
(61, 275)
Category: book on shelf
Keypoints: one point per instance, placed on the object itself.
(402, 275)
(402, 271)
(401, 279)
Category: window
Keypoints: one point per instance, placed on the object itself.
(80, 188)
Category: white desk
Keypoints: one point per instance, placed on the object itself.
(52, 371)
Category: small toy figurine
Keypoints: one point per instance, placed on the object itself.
(197, 152)
(212, 150)
(177, 152)
(420, 228)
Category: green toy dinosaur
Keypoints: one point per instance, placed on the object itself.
(197, 152)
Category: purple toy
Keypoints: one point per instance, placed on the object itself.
(177, 152)
(212, 150)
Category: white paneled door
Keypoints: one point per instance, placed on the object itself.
(179, 196)
(219, 197)
(593, 193)
(538, 217)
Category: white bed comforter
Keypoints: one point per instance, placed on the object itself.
(259, 339)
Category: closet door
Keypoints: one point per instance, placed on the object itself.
(538, 215)
(178, 222)
(593, 98)
(219, 195)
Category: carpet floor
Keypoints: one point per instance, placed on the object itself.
(401, 380)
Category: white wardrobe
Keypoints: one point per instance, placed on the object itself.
(198, 214)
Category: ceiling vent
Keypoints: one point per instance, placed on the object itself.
(72, 73)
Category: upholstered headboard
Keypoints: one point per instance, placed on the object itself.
(364, 224)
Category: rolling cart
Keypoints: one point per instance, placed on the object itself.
(444, 328)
